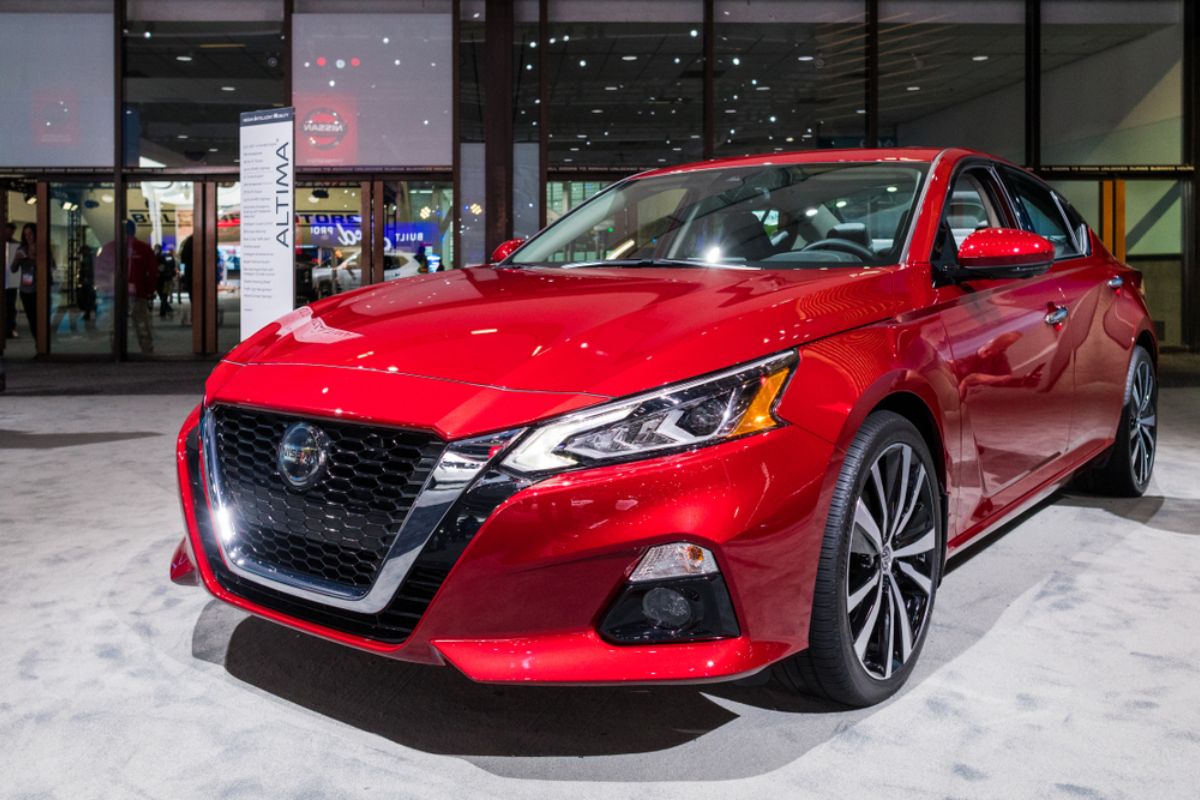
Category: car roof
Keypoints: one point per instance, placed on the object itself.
(856, 154)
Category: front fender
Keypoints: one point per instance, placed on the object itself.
(842, 379)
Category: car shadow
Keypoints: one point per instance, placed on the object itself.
(626, 733)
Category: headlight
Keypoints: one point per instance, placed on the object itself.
(703, 411)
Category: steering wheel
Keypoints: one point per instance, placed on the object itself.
(845, 245)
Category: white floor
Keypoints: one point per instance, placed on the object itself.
(1064, 662)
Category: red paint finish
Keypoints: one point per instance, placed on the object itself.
(1011, 406)
(1005, 247)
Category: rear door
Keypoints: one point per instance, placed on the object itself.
(1014, 383)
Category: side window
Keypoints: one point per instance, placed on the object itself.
(1038, 212)
(1080, 228)
(973, 204)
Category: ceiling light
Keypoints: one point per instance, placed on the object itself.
(912, 88)
(804, 58)
(228, 88)
(979, 58)
(566, 37)
(181, 136)
(583, 62)
(860, 111)
(212, 149)
(183, 58)
(597, 110)
(891, 188)
(629, 58)
(736, 61)
(810, 212)
(611, 88)
(693, 33)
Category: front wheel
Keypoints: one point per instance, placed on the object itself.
(881, 561)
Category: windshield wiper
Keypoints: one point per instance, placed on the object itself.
(649, 262)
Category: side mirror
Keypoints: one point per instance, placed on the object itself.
(505, 250)
(1005, 253)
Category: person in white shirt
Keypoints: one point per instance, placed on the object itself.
(10, 282)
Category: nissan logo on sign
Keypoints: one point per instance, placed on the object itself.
(324, 128)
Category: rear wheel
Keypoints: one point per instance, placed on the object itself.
(880, 565)
(1130, 464)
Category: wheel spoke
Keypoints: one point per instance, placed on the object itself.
(883, 499)
(891, 636)
(918, 484)
(912, 573)
(906, 643)
(864, 636)
(855, 600)
(922, 545)
(902, 496)
(1149, 421)
(864, 520)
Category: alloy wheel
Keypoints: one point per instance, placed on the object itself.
(1143, 423)
(891, 569)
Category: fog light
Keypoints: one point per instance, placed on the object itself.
(666, 608)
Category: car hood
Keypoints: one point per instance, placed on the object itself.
(600, 332)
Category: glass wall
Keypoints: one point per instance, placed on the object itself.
(527, 107)
(418, 229)
(229, 264)
(160, 307)
(329, 231)
(372, 83)
(81, 274)
(789, 76)
(953, 74)
(471, 90)
(626, 82)
(190, 70)
(22, 211)
(1112, 82)
(57, 61)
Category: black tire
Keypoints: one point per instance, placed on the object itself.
(833, 667)
(1126, 469)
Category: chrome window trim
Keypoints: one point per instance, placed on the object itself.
(456, 470)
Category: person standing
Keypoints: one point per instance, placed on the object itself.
(24, 270)
(10, 281)
(143, 282)
(167, 271)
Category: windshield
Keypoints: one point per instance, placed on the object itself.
(774, 216)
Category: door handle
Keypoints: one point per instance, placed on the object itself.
(1058, 316)
(1115, 282)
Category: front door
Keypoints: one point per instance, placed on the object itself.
(1015, 384)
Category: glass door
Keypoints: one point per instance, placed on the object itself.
(329, 239)
(417, 219)
(160, 258)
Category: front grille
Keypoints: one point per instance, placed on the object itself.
(340, 529)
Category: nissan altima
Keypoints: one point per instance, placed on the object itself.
(719, 418)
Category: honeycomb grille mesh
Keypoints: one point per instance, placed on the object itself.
(341, 528)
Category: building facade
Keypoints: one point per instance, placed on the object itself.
(429, 131)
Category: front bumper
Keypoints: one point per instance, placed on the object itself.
(522, 602)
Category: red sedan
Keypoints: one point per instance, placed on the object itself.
(720, 417)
